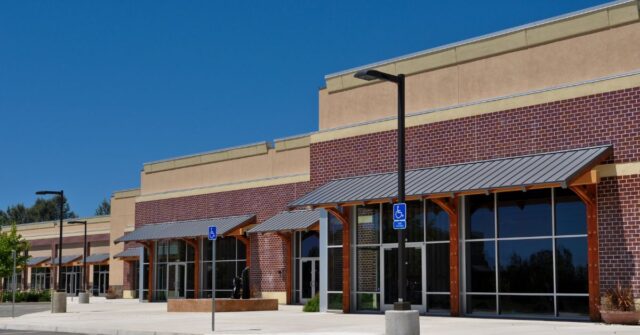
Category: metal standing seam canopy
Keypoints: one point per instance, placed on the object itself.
(130, 252)
(65, 259)
(97, 258)
(559, 168)
(33, 261)
(185, 229)
(287, 221)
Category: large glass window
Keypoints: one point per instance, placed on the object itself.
(335, 263)
(368, 224)
(174, 270)
(415, 223)
(526, 254)
(40, 279)
(231, 260)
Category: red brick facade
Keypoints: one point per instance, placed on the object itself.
(267, 261)
(609, 118)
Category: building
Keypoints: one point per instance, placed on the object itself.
(524, 154)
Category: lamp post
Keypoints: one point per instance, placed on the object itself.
(59, 300)
(399, 324)
(83, 297)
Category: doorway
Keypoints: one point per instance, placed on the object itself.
(71, 281)
(177, 281)
(414, 276)
(309, 278)
(100, 280)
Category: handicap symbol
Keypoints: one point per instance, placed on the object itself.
(398, 214)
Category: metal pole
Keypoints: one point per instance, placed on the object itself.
(402, 304)
(213, 285)
(13, 280)
(60, 241)
(84, 261)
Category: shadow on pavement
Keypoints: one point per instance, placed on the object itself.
(23, 308)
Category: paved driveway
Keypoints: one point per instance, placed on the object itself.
(23, 308)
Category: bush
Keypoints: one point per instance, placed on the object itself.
(27, 296)
(313, 305)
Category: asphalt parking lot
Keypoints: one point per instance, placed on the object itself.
(23, 308)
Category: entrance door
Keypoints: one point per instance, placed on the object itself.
(177, 281)
(414, 275)
(104, 283)
(71, 282)
(309, 278)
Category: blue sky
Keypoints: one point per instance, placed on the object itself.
(91, 90)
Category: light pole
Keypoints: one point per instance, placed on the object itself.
(59, 301)
(402, 304)
(83, 297)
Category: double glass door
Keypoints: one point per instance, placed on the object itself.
(414, 276)
(309, 278)
(177, 281)
(72, 282)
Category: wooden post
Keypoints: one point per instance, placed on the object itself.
(343, 217)
(451, 207)
(588, 195)
(151, 250)
(247, 247)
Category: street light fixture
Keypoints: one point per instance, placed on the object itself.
(402, 304)
(61, 202)
(84, 254)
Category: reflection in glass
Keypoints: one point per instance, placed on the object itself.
(335, 230)
(413, 275)
(571, 213)
(225, 272)
(479, 304)
(368, 301)
(571, 265)
(368, 269)
(335, 269)
(522, 305)
(438, 276)
(225, 249)
(310, 244)
(522, 214)
(368, 224)
(438, 302)
(526, 266)
(437, 223)
(481, 266)
(573, 306)
(334, 301)
(480, 217)
(415, 226)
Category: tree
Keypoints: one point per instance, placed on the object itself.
(42, 210)
(104, 208)
(11, 240)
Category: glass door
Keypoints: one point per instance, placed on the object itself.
(415, 291)
(309, 278)
(176, 281)
(71, 283)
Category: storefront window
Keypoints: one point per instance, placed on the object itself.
(40, 279)
(415, 223)
(536, 264)
(334, 281)
(368, 224)
(230, 262)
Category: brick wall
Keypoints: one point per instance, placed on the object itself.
(267, 261)
(608, 118)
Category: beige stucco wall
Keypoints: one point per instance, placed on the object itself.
(49, 229)
(274, 163)
(122, 220)
(575, 59)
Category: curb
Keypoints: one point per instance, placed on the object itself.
(57, 329)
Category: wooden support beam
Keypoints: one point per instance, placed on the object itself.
(588, 194)
(451, 205)
(588, 178)
(150, 246)
(194, 243)
(286, 239)
(247, 247)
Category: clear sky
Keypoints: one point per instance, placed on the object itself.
(91, 90)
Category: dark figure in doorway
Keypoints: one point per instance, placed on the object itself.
(246, 293)
(237, 286)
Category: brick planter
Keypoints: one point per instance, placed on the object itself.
(222, 305)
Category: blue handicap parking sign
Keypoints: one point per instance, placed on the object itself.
(400, 216)
(213, 233)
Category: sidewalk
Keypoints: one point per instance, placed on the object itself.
(131, 317)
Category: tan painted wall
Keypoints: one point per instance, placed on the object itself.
(585, 57)
(49, 229)
(122, 220)
(272, 164)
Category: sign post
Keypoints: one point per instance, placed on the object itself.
(400, 216)
(213, 235)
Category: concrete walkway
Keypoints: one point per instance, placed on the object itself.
(131, 317)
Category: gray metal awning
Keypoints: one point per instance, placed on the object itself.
(185, 229)
(286, 221)
(128, 253)
(553, 168)
(33, 261)
(65, 259)
(97, 258)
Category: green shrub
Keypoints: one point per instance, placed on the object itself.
(27, 296)
(313, 305)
